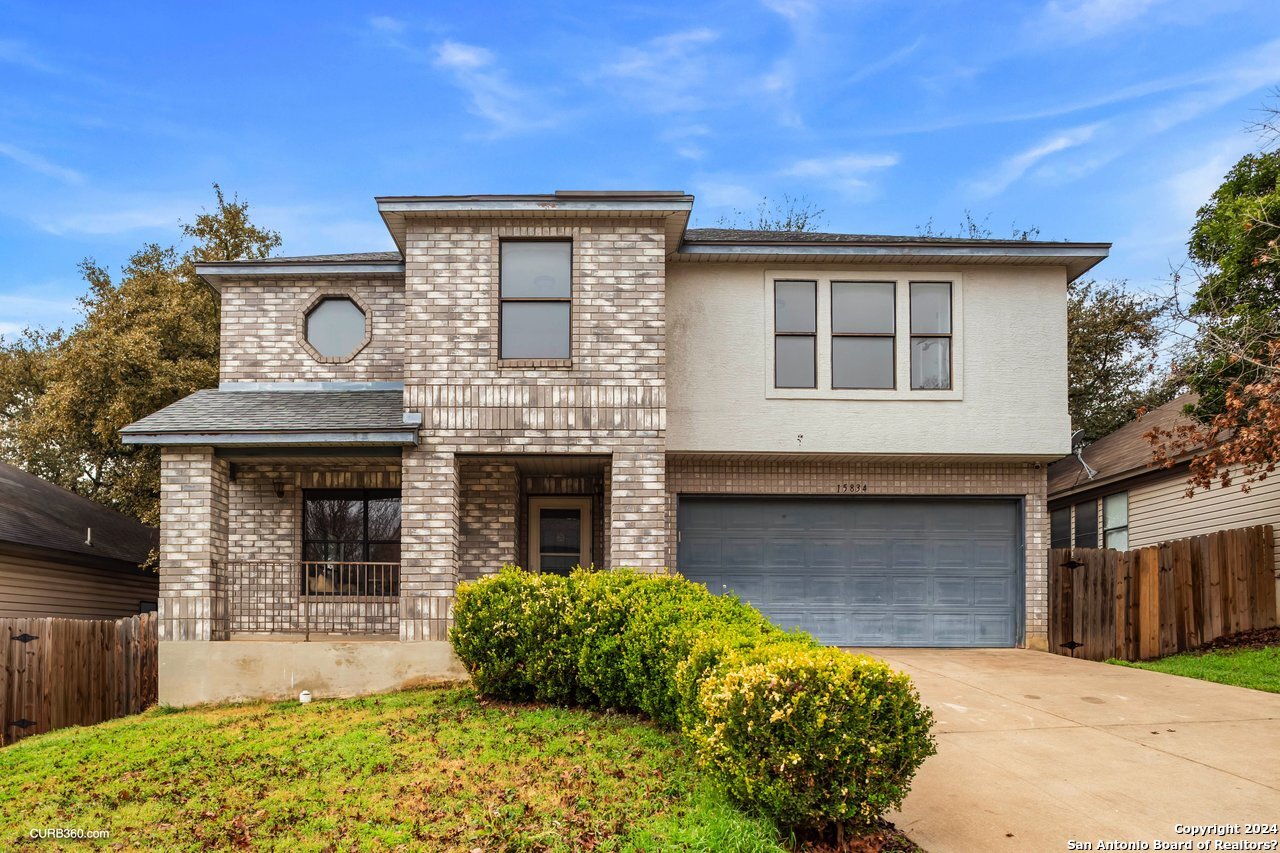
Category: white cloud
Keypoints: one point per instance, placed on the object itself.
(509, 108)
(15, 52)
(388, 24)
(795, 11)
(37, 163)
(1012, 169)
(851, 173)
(666, 74)
(716, 192)
(21, 311)
(1080, 20)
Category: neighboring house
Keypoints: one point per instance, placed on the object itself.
(64, 555)
(849, 431)
(1127, 503)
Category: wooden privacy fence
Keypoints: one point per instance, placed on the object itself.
(74, 672)
(1162, 599)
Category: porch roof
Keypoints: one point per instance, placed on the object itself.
(274, 418)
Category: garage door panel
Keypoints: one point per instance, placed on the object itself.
(908, 572)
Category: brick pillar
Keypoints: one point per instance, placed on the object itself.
(488, 534)
(638, 510)
(193, 544)
(428, 544)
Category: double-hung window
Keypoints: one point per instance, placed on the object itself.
(536, 295)
(1060, 528)
(930, 335)
(1086, 524)
(351, 542)
(862, 334)
(795, 334)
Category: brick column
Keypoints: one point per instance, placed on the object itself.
(193, 544)
(428, 544)
(638, 510)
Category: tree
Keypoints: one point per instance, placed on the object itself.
(146, 341)
(1113, 344)
(791, 214)
(976, 229)
(1234, 315)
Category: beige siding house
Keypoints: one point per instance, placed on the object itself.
(1126, 503)
(63, 555)
(849, 431)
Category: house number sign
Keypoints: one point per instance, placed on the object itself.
(851, 488)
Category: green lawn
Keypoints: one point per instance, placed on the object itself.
(423, 769)
(1258, 669)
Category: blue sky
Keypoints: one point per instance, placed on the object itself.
(1091, 119)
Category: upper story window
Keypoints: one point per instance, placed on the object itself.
(336, 327)
(930, 335)
(795, 334)
(536, 296)
(863, 327)
(1115, 521)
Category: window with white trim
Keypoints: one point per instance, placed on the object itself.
(795, 334)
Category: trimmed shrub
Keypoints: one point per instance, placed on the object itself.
(801, 733)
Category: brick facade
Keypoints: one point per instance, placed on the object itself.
(262, 322)
(193, 544)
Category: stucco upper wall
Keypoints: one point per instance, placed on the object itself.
(262, 327)
(1010, 394)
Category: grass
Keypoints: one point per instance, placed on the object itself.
(423, 769)
(1258, 669)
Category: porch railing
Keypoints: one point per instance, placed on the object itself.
(313, 598)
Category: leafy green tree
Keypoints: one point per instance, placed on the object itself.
(1113, 369)
(1236, 307)
(146, 341)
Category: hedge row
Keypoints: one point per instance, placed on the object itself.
(805, 734)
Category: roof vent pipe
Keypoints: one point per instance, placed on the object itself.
(88, 536)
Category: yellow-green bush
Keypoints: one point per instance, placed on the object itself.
(804, 734)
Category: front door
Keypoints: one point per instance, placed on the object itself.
(559, 534)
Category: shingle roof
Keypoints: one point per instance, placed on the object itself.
(216, 411)
(36, 513)
(745, 235)
(341, 257)
(1123, 453)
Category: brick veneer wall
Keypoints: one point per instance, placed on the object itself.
(490, 494)
(262, 321)
(264, 546)
(610, 399)
(193, 544)
(747, 475)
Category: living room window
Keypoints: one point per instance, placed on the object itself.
(535, 295)
(351, 542)
(930, 335)
(862, 334)
(795, 334)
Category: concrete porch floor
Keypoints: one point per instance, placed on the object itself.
(1036, 750)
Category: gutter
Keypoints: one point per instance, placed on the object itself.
(271, 439)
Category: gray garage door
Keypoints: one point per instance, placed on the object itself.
(864, 572)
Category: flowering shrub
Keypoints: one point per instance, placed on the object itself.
(804, 734)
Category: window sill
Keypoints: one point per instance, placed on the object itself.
(536, 363)
(897, 395)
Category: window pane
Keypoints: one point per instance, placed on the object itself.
(1087, 524)
(334, 519)
(538, 270)
(1115, 511)
(558, 564)
(795, 306)
(862, 307)
(335, 327)
(793, 362)
(930, 308)
(384, 518)
(535, 330)
(1060, 528)
(560, 531)
(862, 362)
(930, 363)
(1118, 539)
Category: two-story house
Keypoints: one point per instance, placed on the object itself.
(849, 431)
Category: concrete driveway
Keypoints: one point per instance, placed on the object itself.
(1037, 750)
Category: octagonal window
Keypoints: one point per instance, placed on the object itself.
(335, 327)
